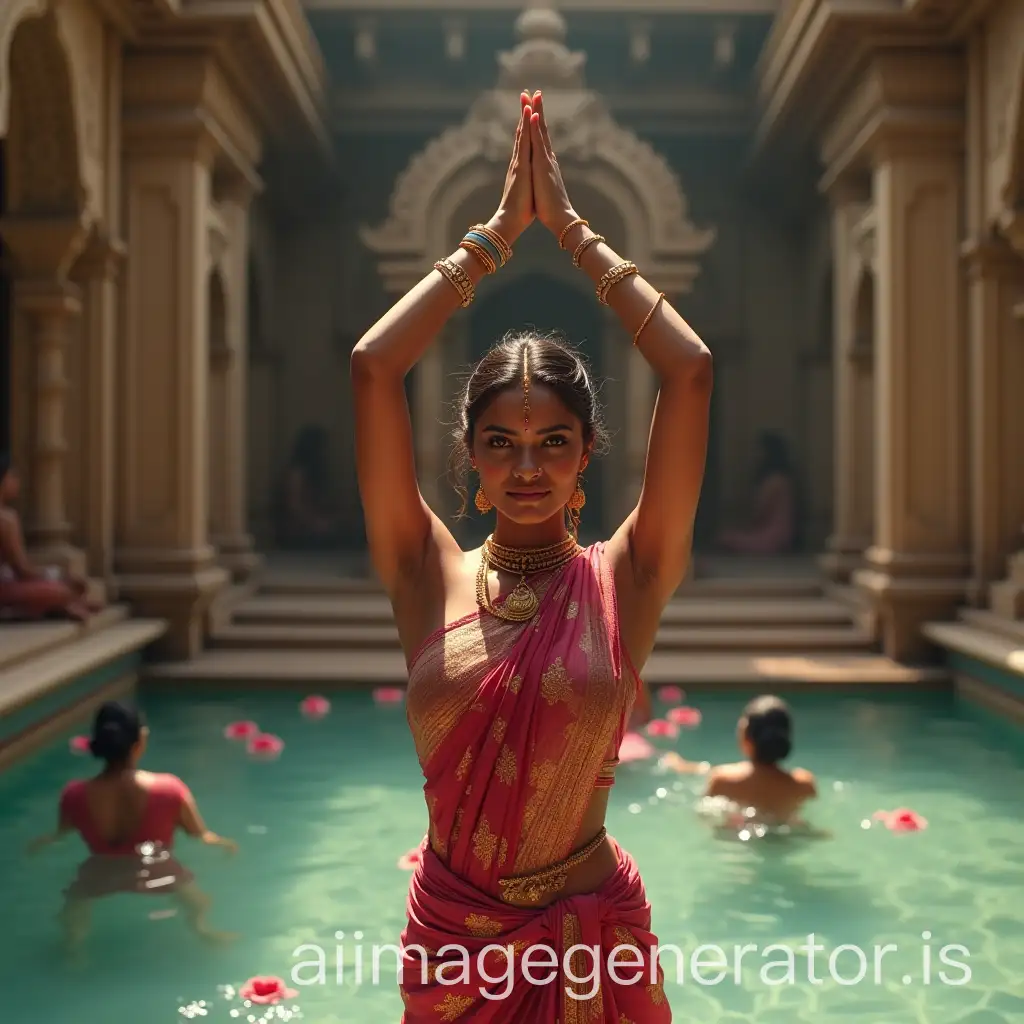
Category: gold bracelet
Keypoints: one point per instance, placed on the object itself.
(612, 278)
(460, 280)
(568, 227)
(485, 258)
(647, 319)
(583, 246)
(504, 249)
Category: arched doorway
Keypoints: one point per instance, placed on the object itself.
(539, 301)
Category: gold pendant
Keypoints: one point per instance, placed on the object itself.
(521, 604)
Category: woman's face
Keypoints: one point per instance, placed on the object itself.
(528, 468)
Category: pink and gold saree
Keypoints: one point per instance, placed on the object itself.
(515, 724)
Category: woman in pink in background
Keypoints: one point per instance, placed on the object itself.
(775, 794)
(523, 655)
(128, 819)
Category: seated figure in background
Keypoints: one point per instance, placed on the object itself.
(305, 518)
(772, 529)
(28, 591)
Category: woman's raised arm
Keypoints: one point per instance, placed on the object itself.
(657, 535)
(399, 524)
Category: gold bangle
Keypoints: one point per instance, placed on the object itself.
(612, 278)
(499, 243)
(568, 227)
(647, 319)
(485, 258)
(583, 246)
(460, 280)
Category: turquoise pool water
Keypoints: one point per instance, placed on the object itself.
(321, 830)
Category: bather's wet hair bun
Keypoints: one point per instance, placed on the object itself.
(769, 729)
(116, 729)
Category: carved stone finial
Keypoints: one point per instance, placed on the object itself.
(541, 60)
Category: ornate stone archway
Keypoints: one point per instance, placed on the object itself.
(593, 149)
(45, 228)
(596, 154)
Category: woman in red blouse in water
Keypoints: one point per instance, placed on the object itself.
(128, 819)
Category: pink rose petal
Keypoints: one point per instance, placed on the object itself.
(265, 991)
(315, 707)
(265, 746)
(241, 730)
(409, 859)
(688, 718)
(388, 695)
(634, 747)
(79, 745)
(671, 695)
(661, 727)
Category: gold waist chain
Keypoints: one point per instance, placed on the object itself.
(533, 887)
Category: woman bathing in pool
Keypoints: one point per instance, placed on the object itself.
(765, 735)
(128, 819)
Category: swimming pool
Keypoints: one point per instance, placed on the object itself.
(321, 830)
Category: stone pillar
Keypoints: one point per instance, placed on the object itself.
(916, 568)
(165, 561)
(995, 279)
(43, 251)
(853, 389)
(231, 534)
(97, 272)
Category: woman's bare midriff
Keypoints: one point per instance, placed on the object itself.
(599, 866)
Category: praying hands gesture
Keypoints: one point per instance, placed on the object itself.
(534, 188)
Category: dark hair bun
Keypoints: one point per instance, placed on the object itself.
(769, 729)
(115, 731)
(772, 744)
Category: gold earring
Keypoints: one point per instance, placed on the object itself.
(482, 502)
(576, 502)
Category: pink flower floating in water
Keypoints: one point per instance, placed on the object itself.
(901, 820)
(265, 746)
(634, 748)
(688, 718)
(409, 859)
(315, 707)
(388, 695)
(79, 745)
(241, 731)
(266, 991)
(661, 727)
(671, 695)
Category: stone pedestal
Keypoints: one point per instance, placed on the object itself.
(165, 562)
(853, 366)
(916, 569)
(1007, 596)
(43, 250)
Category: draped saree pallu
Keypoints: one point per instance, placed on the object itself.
(515, 724)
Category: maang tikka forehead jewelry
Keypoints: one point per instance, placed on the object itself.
(526, 386)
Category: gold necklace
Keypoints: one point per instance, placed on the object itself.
(521, 605)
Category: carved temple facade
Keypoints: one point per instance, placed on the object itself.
(204, 207)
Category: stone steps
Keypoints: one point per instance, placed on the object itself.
(373, 637)
(374, 610)
(357, 670)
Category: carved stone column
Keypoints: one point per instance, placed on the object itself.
(43, 250)
(230, 528)
(428, 400)
(97, 271)
(853, 388)
(916, 568)
(165, 562)
(995, 280)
